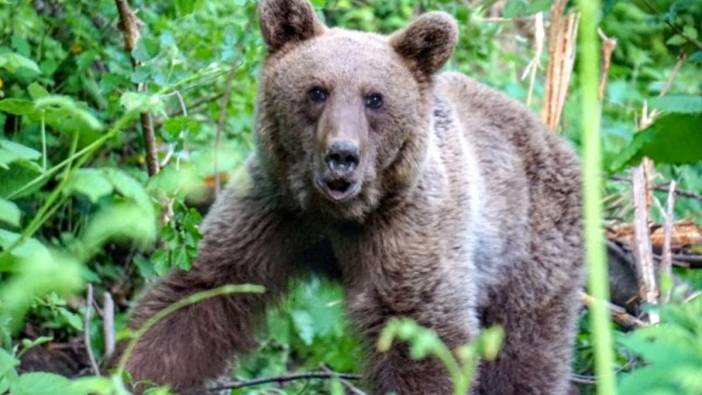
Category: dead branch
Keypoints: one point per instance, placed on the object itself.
(562, 34)
(534, 64)
(86, 330)
(129, 25)
(236, 384)
(608, 45)
(108, 324)
(667, 254)
(664, 188)
(645, 269)
(619, 314)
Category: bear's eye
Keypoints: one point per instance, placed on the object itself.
(374, 101)
(317, 94)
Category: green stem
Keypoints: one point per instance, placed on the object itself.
(592, 198)
(172, 308)
(43, 142)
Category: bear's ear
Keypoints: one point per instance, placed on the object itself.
(428, 42)
(284, 21)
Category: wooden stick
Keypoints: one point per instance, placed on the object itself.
(667, 254)
(608, 45)
(86, 330)
(562, 34)
(645, 269)
(619, 314)
(533, 67)
(108, 324)
(129, 25)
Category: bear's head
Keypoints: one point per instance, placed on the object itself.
(343, 117)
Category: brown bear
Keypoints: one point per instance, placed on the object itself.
(426, 194)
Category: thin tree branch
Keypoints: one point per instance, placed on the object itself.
(618, 313)
(667, 254)
(608, 45)
(108, 324)
(129, 25)
(86, 330)
(664, 188)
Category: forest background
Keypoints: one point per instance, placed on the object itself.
(117, 136)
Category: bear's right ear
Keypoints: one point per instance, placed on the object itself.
(284, 21)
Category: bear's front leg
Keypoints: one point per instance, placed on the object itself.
(536, 355)
(432, 302)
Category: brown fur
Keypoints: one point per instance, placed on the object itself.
(467, 214)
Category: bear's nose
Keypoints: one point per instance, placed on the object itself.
(342, 156)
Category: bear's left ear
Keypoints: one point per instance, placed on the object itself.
(284, 21)
(428, 42)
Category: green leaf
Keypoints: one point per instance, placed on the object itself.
(673, 139)
(29, 249)
(62, 112)
(139, 101)
(17, 176)
(11, 152)
(9, 213)
(41, 383)
(12, 62)
(92, 183)
(130, 188)
(7, 363)
(676, 40)
(120, 221)
(677, 103)
(304, 325)
(37, 91)
(16, 106)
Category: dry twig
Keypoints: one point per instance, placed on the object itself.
(666, 268)
(561, 56)
(129, 25)
(608, 45)
(86, 330)
(534, 64)
(108, 324)
(619, 314)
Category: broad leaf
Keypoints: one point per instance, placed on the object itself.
(11, 151)
(92, 183)
(9, 213)
(673, 139)
(12, 62)
(16, 106)
(63, 113)
(41, 383)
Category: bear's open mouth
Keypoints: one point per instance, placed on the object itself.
(338, 189)
(338, 186)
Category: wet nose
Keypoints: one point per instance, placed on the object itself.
(342, 156)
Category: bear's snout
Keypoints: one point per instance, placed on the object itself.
(339, 180)
(342, 157)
